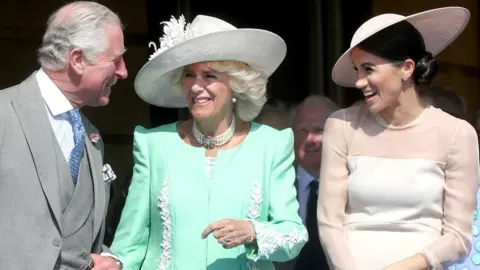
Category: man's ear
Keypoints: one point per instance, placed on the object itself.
(77, 60)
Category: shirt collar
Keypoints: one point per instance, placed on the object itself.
(56, 102)
(304, 178)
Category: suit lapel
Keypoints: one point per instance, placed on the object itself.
(95, 160)
(32, 114)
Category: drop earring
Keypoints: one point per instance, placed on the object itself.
(234, 100)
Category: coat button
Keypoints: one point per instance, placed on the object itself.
(56, 242)
(84, 256)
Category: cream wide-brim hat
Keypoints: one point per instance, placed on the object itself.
(205, 39)
(438, 27)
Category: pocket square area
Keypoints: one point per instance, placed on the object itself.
(108, 174)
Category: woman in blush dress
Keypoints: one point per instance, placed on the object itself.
(398, 179)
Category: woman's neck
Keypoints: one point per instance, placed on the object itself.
(407, 109)
(214, 126)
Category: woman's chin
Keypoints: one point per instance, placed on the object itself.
(201, 113)
(375, 107)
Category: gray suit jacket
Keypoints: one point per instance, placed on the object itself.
(30, 227)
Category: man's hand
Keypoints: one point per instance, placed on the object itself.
(104, 263)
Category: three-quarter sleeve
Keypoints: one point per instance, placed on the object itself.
(283, 235)
(131, 237)
(333, 194)
(461, 185)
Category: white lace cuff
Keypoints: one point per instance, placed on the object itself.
(270, 241)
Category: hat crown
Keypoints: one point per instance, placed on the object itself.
(374, 25)
(203, 25)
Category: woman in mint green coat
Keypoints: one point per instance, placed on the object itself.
(215, 192)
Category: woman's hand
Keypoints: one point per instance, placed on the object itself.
(415, 262)
(231, 233)
(395, 266)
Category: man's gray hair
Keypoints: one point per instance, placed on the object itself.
(81, 24)
(318, 101)
(314, 101)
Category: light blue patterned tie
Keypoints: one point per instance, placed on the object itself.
(77, 151)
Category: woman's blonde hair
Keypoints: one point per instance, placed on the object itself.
(248, 86)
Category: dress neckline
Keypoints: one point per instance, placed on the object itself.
(246, 140)
(414, 122)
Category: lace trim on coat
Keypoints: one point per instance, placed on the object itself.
(254, 213)
(269, 240)
(167, 227)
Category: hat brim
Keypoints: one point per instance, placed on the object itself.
(438, 27)
(262, 50)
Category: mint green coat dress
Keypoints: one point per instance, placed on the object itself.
(176, 193)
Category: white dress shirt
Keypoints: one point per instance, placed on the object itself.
(303, 189)
(57, 105)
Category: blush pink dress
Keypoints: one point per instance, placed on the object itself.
(390, 192)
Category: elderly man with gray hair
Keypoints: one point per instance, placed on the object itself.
(308, 121)
(53, 191)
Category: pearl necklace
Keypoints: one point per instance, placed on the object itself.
(210, 142)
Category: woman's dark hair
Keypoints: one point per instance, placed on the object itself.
(400, 42)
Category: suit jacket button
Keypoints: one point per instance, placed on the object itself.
(84, 256)
(56, 242)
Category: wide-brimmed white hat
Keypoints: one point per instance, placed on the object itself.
(438, 27)
(205, 39)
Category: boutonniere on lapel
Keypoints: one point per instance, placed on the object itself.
(108, 174)
(94, 137)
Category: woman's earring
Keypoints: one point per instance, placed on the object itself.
(234, 100)
(405, 79)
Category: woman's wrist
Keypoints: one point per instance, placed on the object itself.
(419, 262)
(253, 235)
(424, 261)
